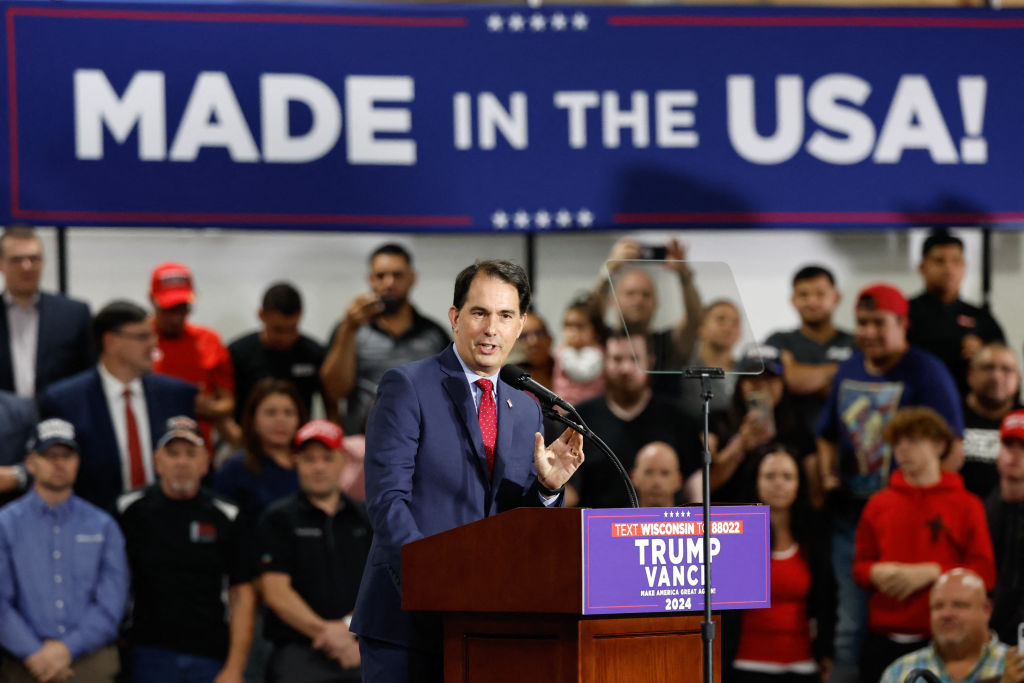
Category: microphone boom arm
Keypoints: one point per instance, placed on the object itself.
(581, 427)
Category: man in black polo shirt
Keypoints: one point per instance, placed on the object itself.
(313, 546)
(381, 330)
(278, 349)
(183, 545)
(940, 321)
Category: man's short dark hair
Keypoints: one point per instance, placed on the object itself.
(18, 231)
(940, 238)
(813, 271)
(114, 316)
(617, 333)
(283, 298)
(391, 249)
(506, 271)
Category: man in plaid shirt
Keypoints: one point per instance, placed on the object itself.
(963, 650)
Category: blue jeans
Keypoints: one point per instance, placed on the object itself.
(852, 613)
(156, 665)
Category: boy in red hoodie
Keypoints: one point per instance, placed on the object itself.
(924, 524)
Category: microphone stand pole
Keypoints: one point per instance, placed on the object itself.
(707, 627)
(586, 431)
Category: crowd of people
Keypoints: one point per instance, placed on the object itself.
(172, 512)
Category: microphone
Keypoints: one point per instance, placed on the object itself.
(520, 379)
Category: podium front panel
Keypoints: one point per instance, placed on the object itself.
(651, 559)
(661, 649)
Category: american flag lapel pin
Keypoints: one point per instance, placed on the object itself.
(509, 402)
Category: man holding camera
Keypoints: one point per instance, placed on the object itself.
(636, 297)
(381, 330)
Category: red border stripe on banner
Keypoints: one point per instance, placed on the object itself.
(815, 22)
(227, 218)
(269, 218)
(244, 17)
(880, 217)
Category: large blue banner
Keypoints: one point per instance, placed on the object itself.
(508, 119)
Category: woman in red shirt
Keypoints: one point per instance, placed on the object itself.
(791, 641)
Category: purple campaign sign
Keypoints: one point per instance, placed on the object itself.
(651, 559)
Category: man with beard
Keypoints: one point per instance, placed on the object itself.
(63, 576)
(192, 352)
(811, 354)
(994, 382)
(883, 375)
(627, 417)
(381, 330)
(962, 648)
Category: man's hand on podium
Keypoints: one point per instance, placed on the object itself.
(556, 463)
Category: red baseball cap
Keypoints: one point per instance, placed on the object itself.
(886, 298)
(171, 285)
(1012, 426)
(324, 431)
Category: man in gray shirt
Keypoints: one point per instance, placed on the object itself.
(381, 330)
(812, 352)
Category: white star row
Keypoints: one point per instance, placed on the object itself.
(676, 513)
(537, 22)
(563, 218)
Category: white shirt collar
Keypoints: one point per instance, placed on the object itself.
(472, 377)
(114, 388)
(9, 299)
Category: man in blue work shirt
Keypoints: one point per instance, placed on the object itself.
(63, 573)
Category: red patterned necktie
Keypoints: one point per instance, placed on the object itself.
(136, 471)
(488, 421)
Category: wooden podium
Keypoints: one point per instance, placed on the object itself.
(510, 589)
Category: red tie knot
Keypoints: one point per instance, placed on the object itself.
(485, 384)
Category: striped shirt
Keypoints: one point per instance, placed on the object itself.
(990, 664)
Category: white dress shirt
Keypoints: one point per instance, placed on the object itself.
(113, 389)
(471, 378)
(23, 333)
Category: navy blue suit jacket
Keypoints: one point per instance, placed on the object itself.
(17, 421)
(65, 343)
(426, 472)
(80, 400)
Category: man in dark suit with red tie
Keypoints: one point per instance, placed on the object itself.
(447, 444)
(118, 407)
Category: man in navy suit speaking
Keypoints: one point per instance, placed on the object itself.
(447, 444)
